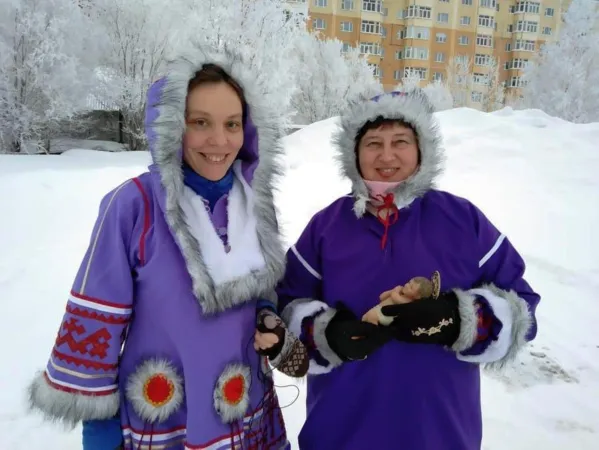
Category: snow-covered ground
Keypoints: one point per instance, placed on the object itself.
(533, 175)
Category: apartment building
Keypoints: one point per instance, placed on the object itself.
(422, 36)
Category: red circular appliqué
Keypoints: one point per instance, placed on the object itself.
(233, 389)
(158, 390)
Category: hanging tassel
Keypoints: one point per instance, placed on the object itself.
(143, 433)
(387, 213)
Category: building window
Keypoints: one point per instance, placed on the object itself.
(416, 53)
(441, 37)
(484, 40)
(480, 78)
(414, 33)
(399, 54)
(370, 48)
(486, 21)
(437, 76)
(347, 27)
(372, 5)
(444, 1)
(370, 27)
(477, 96)
(467, 2)
(376, 70)
(319, 24)
(527, 26)
(517, 63)
(526, 7)
(508, 47)
(440, 57)
(488, 4)
(346, 47)
(461, 59)
(482, 60)
(549, 12)
(510, 28)
(463, 40)
(418, 12)
(515, 82)
(464, 21)
(414, 71)
(347, 5)
(528, 46)
(320, 3)
(547, 31)
(443, 18)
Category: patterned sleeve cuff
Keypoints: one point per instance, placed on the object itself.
(308, 319)
(488, 328)
(494, 326)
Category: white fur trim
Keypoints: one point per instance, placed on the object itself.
(231, 410)
(168, 129)
(69, 407)
(295, 312)
(320, 340)
(293, 315)
(414, 109)
(516, 320)
(468, 320)
(155, 410)
(244, 256)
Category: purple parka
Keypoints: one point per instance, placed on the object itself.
(404, 396)
(160, 319)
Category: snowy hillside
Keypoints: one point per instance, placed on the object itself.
(534, 176)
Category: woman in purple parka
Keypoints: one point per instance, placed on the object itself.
(156, 348)
(414, 384)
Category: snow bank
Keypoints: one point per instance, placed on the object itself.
(533, 175)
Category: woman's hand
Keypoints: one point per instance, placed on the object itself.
(270, 334)
(264, 341)
(352, 339)
(426, 321)
(284, 350)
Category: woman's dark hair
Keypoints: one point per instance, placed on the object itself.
(211, 73)
(377, 123)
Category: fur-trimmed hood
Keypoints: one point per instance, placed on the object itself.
(165, 126)
(413, 108)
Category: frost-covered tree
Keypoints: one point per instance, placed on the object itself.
(494, 91)
(264, 29)
(439, 95)
(459, 79)
(139, 34)
(327, 77)
(564, 79)
(46, 52)
(409, 81)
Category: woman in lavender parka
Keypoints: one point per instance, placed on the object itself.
(160, 326)
(414, 384)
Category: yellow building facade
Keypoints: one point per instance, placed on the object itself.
(422, 36)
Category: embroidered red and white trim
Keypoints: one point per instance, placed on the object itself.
(231, 394)
(155, 390)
